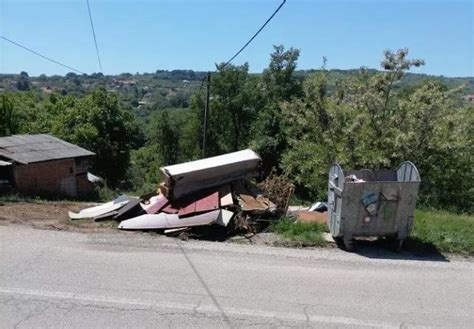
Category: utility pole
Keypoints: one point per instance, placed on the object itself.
(206, 112)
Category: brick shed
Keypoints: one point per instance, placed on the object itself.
(44, 164)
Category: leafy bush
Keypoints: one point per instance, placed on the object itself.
(367, 123)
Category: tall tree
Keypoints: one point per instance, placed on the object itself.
(99, 123)
(233, 102)
(232, 106)
(370, 124)
(165, 134)
(23, 82)
(279, 84)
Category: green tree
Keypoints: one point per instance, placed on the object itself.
(100, 124)
(279, 84)
(367, 123)
(318, 133)
(144, 171)
(9, 123)
(23, 82)
(232, 108)
(165, 134)
(438, 135)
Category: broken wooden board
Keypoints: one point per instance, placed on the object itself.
(169, 209)
(156, 204)
(148, 222)
(105, 216)
(173, 231)
(102, 209)
(224, 217)
(249, 203)
(252, 200)
(225, 195)
(187, 178)
(131, 209)
(201, 203)
(193, 204)
(167, 221)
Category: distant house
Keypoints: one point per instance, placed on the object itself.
(35, 164)
(469, 98)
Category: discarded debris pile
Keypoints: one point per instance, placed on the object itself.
(207, 192)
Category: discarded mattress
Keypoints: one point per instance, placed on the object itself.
(168, 221)
(98, 211)
(186, 178)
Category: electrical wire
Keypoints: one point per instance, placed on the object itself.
(40, 55)
(93, 33)
(223, 66)
(255, 35)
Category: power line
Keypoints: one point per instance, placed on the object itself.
(40, 55)
(256, 33)
(93, 33)
(206, 108)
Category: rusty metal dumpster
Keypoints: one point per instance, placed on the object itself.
(372, 202)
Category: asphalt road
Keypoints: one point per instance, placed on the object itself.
(53, 279)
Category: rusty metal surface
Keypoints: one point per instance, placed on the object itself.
(208, 202)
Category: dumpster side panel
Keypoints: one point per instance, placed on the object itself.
(383, 205)
(335, 191)
(374, 208)
(406, 208)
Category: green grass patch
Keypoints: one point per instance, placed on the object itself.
(304, 233)
(448, 232)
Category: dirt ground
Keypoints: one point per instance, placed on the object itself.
(52, 216)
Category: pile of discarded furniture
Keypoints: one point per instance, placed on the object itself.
(211, 191)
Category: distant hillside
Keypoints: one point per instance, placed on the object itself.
(167, 89)
(410, 79)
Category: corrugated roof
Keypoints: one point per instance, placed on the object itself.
(36, 148)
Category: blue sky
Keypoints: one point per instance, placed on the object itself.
(143, 36)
